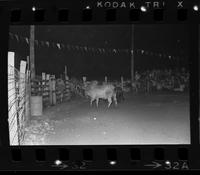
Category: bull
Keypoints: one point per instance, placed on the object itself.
(105, 91)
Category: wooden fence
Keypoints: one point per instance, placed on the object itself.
(18, 103)
(45, 86)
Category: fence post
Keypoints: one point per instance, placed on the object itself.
(47, 90)
(28, 95)
(28, 90)
(122, 82)
(43, 86)
(84, 81)
(66, 77)
(40, 87)
(22, 102)
(67, 88)
(50, 90)
(106, 79)
(54, 90)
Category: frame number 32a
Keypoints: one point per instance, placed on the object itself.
(183, 165)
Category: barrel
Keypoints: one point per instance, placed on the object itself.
(36, 106)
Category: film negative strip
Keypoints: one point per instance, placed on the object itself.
(99, 85)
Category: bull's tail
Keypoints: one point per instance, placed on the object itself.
(111, 98)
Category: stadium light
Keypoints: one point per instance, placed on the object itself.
(33, 8)
(195, 8)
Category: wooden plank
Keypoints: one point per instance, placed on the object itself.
(22, 94)
(54, 89)
(43, 83)
(28, 95)
(32, 51)
(50, 91)
(66, 76)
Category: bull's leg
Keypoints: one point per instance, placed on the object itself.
(109, 101)
(97, 102)
(91, 100)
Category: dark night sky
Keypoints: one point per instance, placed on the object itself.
(169, 39)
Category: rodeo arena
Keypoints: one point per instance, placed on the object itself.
(151, 107)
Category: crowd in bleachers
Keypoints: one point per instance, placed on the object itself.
(146, 81)
(155, 80)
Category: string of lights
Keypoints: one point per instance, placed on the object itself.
(87, 49)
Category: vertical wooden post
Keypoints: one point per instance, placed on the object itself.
(22, 102)
(28, 90)
(106, 79)
(28, 96)
(40, 87)
(122, 82)
(50, 91)
(22, 77)
(43, 76)
(67, 90)
(28, 62)
(67, 85)
(32, 51)
(43, 86)
(66, 76)
(47, 89)
(84, 81)
(54, 89)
